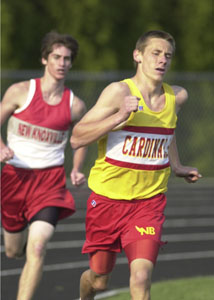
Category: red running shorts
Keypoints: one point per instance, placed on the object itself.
(24, 192)
(113, 225)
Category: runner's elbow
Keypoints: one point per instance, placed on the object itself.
(75, 142)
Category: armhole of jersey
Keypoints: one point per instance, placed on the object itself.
(31, 93)
(170, 92)
(71, 98)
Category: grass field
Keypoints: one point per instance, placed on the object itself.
(198, 288)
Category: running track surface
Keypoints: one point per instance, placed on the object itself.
(189, 230)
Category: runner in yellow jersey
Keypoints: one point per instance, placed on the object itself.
(134, 123)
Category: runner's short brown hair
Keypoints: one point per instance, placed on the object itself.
(55, 38)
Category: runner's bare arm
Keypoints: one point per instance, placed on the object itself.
(189, 173)
(112, 108)
(13, 98)
(78, 109)
(181, 96)
(76, 176)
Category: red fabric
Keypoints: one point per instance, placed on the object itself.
(25, 192)
(147, 249)
(113, 224)
(124, 164)
(157, 130)
(102, 262)
(38, 112)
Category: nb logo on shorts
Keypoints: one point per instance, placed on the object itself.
(147, 230)
(93, 203)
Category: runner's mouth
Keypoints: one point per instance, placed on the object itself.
(160, 70)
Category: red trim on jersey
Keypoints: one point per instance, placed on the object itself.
(136, 166)
(40, 113)
(155, 130)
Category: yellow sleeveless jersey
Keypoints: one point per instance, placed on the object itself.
(133, 162)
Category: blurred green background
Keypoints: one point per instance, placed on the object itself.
(107, 31)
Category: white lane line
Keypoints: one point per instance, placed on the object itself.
(120, 261)
(65, 244)
(183, 237)
(70, 227)
(110, 293)
(189, 237)
(189, 210)
(196, 222)
(55, 267)
(174, 223)
(170, 211)
(186, 255)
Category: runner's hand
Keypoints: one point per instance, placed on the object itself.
(6, 153)
(77, 178)
(129, 105)
(190, 174)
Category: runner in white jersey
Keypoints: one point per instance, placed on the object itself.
(34, 195)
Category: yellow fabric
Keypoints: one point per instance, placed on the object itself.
(124, 183)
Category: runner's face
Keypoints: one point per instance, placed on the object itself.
(58, 62)
(156, 58)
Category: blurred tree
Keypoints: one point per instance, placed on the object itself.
(7, 29)
(195, 20)
(23, 24)
(107, 30)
